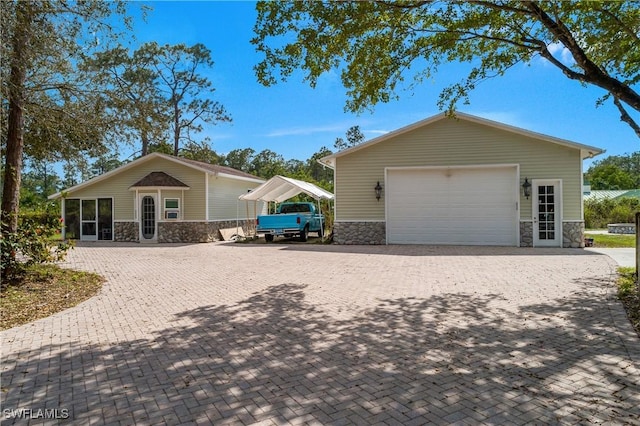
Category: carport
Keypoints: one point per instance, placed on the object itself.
(280, 188)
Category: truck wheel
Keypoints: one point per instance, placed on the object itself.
(303, 234)
(268, 237)
(321, 231)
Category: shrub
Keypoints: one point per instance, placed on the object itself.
(599, 213)
(34, 242)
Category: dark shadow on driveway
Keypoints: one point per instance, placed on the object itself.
(451, 358)
(423, 250)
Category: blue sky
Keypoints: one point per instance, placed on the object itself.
(296, 121)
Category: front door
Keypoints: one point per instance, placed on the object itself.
(547, 213)
(148, 224)
(89, 215)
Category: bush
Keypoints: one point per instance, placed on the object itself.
(599, 213)
(34, 242)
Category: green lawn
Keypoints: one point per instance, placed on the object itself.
(612, 240)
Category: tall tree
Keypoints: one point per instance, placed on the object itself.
(188, 94)
(375, 44)
(51, 108)
(38, 182)
(200, 152)
(319, 172)
(267, 164)
(105, 163)
(615, 172)
(133, 95)
(239, 159)
(354, 137)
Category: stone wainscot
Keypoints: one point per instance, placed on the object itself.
(179, 232)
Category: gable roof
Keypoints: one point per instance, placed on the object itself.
(586, 151)
(210, 169)
(280, 188)
(159, 179)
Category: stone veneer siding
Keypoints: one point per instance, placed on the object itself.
(126, 231)
(177, 232)
(526, 234)
(375, 233)
(573, 234)
(359, 233)
(195, 232)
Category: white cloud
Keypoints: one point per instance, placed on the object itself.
(376, 132)
(296, 131)
(558, 50)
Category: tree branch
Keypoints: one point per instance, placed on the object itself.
(592, 73)
(625, 117)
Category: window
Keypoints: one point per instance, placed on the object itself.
(172, 208)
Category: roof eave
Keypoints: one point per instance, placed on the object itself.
(585, 150)
(232, 176)
(154, 188)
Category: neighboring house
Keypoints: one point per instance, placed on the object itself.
(158, 198)
(613, 194)
(460, 181)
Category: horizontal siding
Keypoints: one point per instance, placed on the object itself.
(223, 199)
(117, 186)
(453, 143)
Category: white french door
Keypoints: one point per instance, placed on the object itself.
(547, 213)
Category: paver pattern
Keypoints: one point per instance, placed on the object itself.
(295, 334)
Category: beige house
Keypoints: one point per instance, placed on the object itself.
(158, 198)
(460, 181)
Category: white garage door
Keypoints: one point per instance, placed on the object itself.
(459, 206)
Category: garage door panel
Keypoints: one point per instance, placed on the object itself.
(452, 206)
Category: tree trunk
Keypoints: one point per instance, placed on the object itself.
(176, 128)
(145, 143)
(15, 122)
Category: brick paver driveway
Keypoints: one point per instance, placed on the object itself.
(295, 334)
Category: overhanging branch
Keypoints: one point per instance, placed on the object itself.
(624, 116)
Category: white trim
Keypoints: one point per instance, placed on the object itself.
(515, 195)
(88, 237)
(164, 188)
(156, 197)
(166, 210)
(585, 150)
(470, 166)
(581, 180)
(206, 197)
(559, 212)
(142, 160)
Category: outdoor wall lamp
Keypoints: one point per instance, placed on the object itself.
(526, 188)
(378, 190)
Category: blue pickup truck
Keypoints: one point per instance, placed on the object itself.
(291, 219)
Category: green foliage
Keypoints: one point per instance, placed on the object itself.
(629, 294)
(33, 243)
(64, 112)
(599, 213)
(200, 152)
(354, 137)
(615, 172)
(376, 46)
